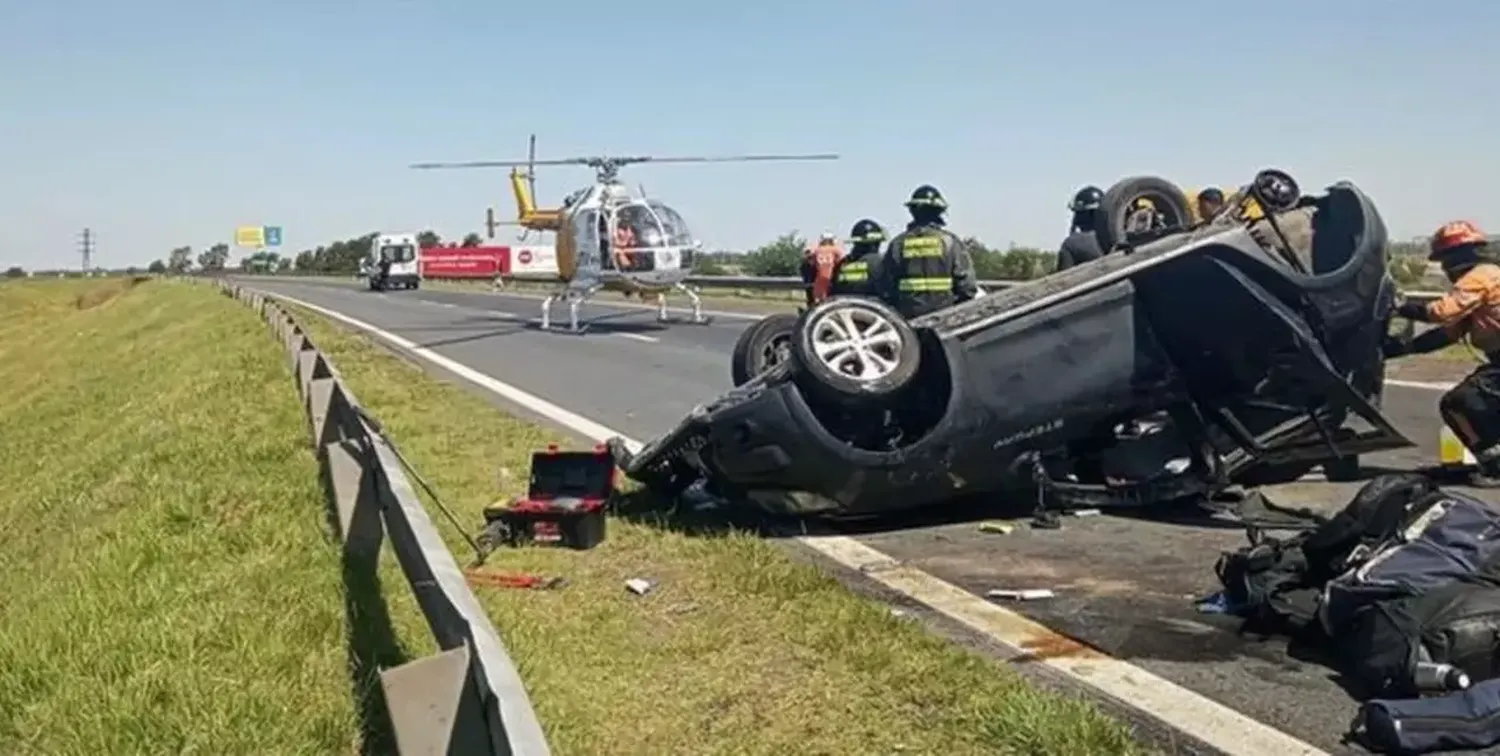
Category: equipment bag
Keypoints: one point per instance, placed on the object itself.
(1275, 584)
(1457, 624)
(1466, 720)
(1452, 537)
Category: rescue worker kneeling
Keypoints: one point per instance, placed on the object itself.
(858, 272)
(927, 267)
(1472, 308)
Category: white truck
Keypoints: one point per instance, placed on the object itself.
(393, 262)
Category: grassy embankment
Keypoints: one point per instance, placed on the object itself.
(165, 582)
(741, 648)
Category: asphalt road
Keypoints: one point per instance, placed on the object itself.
(1122, 584)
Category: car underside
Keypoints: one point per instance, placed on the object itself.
(1190, 358)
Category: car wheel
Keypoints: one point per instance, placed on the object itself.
(1119, 203)
(852, 349)
(765, 344)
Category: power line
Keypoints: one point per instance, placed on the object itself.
(86, 245)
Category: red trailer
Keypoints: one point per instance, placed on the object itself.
(465, 262)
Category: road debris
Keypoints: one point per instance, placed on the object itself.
(1022, 594)
(997, 526)
(1214, 603)
(640, 586)
(523, 580)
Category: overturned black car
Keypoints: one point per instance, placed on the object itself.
(1240, 349)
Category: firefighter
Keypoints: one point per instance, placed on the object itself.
(858, 272)
(1082, 245)
(1470, 309)
(818, 262)
(1210, 203)
(926, 267)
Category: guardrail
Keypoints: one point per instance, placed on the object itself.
(468, 697)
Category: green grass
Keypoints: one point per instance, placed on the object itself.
(741, 649)
(166, 585)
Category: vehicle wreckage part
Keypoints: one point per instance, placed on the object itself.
(1275, 190)
(767, 342)
(855, 349)
(1120, 201)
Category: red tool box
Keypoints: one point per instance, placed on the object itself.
(565, 502)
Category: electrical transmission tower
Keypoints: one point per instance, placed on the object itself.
(86, 245)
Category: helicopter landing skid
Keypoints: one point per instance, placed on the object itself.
(698, 318)
(574, 302)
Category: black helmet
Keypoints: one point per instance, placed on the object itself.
(866, 231)
(927, 195)
(1087, 198)
(1211, 194)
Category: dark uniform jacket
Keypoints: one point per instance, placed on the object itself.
(857, 273)
(927, 268)
(1080, 247)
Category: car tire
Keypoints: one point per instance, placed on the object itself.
(760, 345)
(896, 356)
(1116, 206)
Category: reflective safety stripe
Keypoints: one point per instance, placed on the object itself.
(855, 271)
(944, 283)
(922, 246)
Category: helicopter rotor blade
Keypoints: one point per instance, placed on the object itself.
(531, 166)
(499, 163)
(531, 162)
(732, 158)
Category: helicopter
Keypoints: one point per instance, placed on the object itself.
(609, 238)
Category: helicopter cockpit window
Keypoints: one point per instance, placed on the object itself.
(636, 227)
(673, 225)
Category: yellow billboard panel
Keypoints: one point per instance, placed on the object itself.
(250, 236)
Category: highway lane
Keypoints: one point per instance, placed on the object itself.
(1123, 585)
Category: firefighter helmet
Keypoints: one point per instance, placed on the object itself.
(1454, 236)
(866, 231)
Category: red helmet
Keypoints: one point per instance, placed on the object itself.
(1454, 235)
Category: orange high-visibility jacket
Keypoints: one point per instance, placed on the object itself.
(825, 258)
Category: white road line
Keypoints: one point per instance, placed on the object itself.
(639, 337)
(1427, 385)
(1188, 712)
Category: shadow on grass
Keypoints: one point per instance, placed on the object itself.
(369, 632)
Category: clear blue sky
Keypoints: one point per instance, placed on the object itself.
(167, 122)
